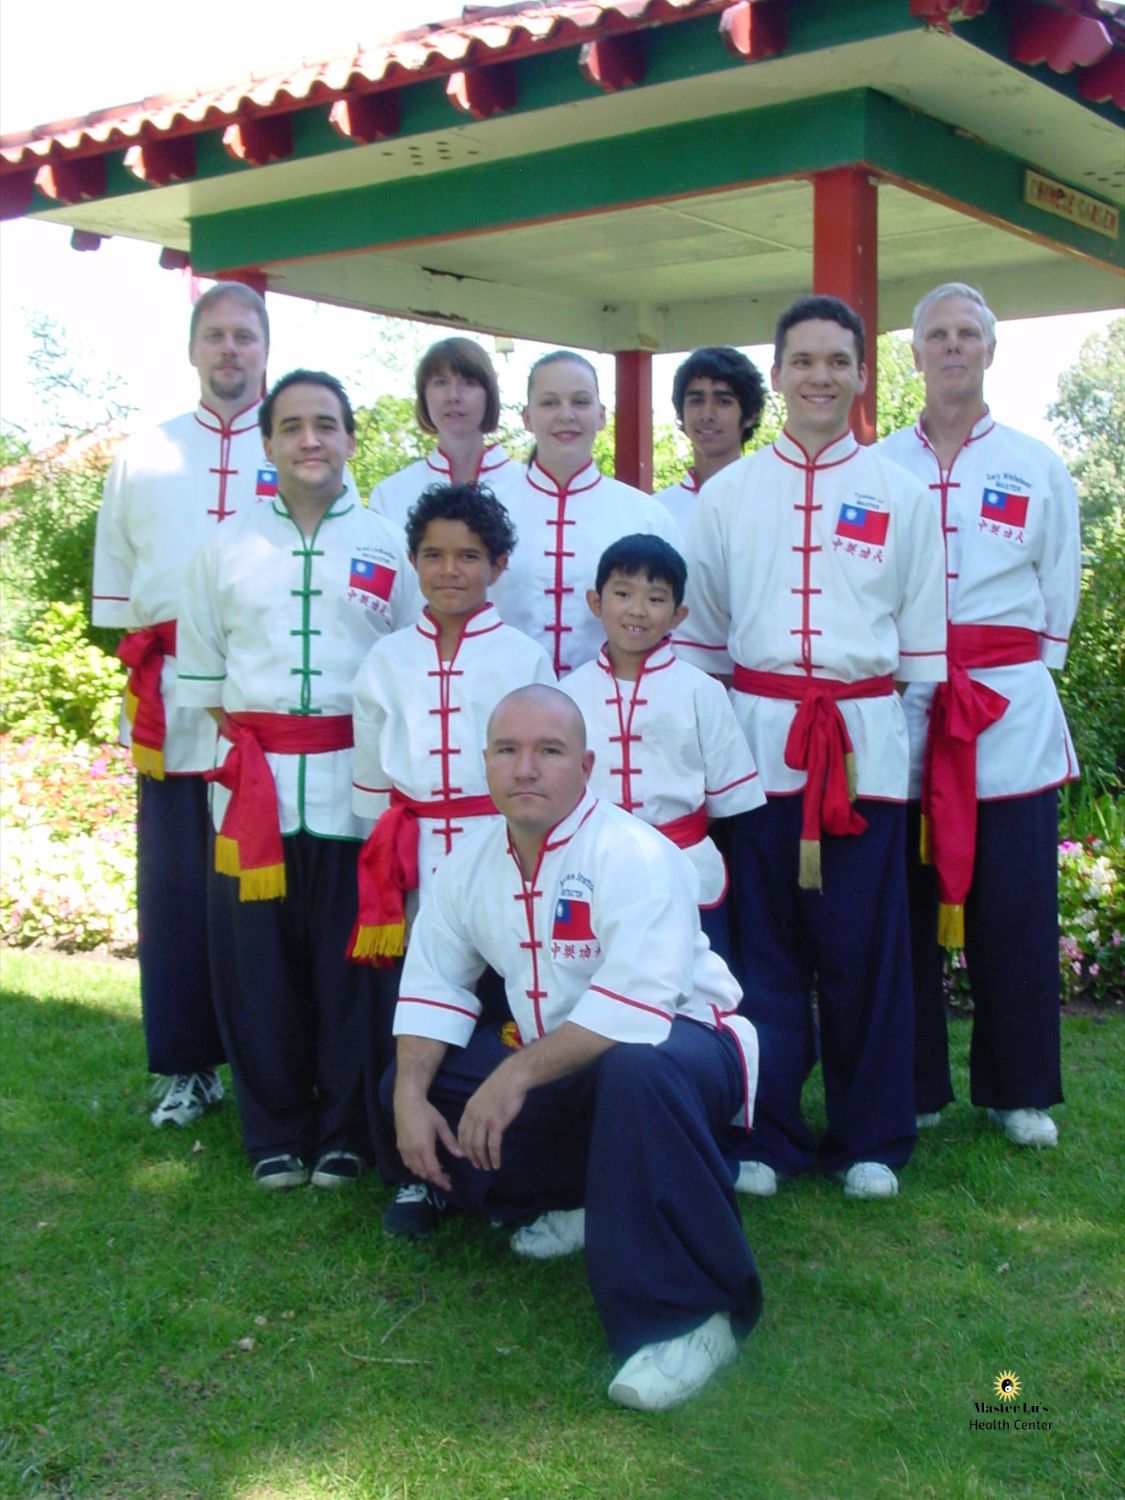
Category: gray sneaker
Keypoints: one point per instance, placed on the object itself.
(185, 1097)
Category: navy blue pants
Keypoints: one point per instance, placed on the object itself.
(181, 1031)
(634, 1137)
(851, 941)
(1012, 950)
(295, 1014)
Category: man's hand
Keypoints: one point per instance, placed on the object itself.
(489, 1113)
(419, 1127)
(501, 1096)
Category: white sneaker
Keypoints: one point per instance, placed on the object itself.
(661, 1376)
(185, 1097)
(927, 1120)
(559, 1232)
(1027, 1127)
(870, 1179)
(757, 1179)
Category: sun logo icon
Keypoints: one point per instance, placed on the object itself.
(1007, 1385)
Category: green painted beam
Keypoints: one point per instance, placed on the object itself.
(781, 140)
(778, 141)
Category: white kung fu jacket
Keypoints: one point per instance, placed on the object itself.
(818, 568)
(666, 746)
(1009, 517)
(563, 532)
(168, 489)
(679, 500)
(392, 497)
(420, 722)
(606, 934)
(273, 621)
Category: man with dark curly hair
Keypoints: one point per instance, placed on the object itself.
(719, 397)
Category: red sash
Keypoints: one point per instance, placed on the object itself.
(143, 652)
(819, 745)
(687, 831)
(388, 868)
(249, 843)
(962, 709)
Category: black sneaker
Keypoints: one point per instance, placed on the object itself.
(338, 1169)
(281, 1172)
(415, 1211)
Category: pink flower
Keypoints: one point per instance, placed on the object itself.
(1094, 971)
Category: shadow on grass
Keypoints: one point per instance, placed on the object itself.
(172, 1331)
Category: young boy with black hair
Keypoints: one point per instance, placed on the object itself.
(666, 744)
(420, 714)
(422, 702)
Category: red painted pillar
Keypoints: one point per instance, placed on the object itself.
(633, 440)
(846, 263)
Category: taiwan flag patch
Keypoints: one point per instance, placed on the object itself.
(1004, 508)
(572, 922)
(371, 578)
(266, 487)
(859, 524)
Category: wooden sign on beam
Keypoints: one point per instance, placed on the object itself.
(1069, 203)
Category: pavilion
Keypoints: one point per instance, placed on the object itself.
(635, 177)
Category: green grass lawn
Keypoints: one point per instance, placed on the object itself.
(171, 1331)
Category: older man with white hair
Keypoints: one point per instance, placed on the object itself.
(990, 747)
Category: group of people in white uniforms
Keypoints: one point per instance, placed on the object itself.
(858, 526)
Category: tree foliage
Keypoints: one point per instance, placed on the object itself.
(51, 496)
(1089, 418)
(900, 393)
(387, 438)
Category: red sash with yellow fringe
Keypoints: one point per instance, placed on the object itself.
(249, 843)
(388, 868)
(818, 744)
(961, 711)
(143, 652)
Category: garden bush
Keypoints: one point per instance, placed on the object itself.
(56, 684)
(68, 814)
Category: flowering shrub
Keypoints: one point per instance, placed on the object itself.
(69, 839)
(1092, 918)
(1091, 925)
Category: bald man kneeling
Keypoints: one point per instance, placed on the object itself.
(594, 1120)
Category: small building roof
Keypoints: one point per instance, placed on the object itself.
(636, 175)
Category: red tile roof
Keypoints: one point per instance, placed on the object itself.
(489, 34)
(485, 34)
